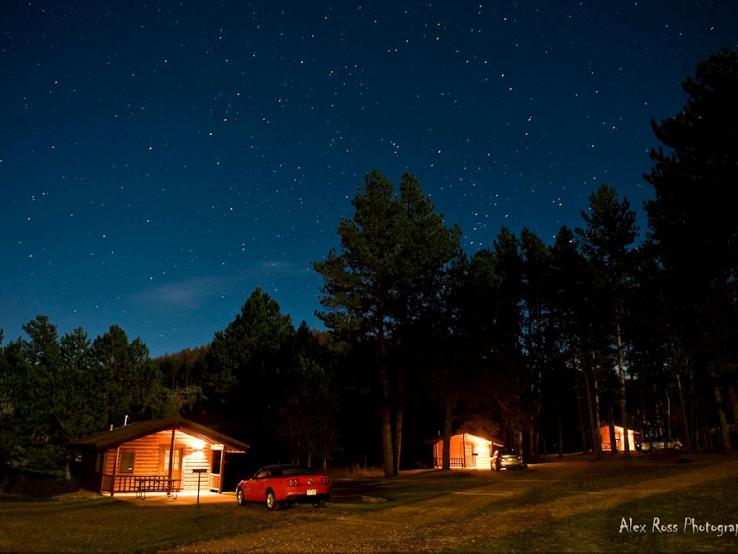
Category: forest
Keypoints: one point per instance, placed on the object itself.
(535, 344)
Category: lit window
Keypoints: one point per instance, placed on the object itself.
(127, 461)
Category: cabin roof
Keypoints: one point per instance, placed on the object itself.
(619, 428)
(495, 441)
(119, 435)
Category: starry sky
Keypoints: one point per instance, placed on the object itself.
(160, 160)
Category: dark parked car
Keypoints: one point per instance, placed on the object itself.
(507, 458)
(647, 446)
(279, 484)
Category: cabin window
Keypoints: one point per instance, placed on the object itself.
(215, 461)
(127, 461)
(176, 462)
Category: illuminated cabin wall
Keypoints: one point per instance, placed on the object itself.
(605, 435)
(149, 451)
(466, 451)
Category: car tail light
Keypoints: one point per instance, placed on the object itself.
(325, 481)
(293, 482)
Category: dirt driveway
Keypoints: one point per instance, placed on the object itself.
(485, 510)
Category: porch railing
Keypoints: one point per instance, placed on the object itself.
(455, 462)
(214, 481)
(139, 483)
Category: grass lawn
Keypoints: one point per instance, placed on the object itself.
(87, 522)
(595, 525)
(573, 505)
(599, 530)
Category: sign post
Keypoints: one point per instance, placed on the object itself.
(199, 472)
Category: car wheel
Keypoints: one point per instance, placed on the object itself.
(239, 497)
(271, 501)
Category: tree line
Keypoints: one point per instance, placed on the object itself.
(537, 344)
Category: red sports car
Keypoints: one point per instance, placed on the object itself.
(279, 484)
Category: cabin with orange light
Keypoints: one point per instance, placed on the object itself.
(467, 451)
(155, 456)
(619, 445)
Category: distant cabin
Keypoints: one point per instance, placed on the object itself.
(467, 452)
(605, 436)
(138, 457)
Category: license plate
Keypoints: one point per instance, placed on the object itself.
(312, 492)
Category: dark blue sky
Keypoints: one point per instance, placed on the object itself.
(159, 160)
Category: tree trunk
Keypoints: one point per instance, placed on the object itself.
(685, 419)
(694, 424)
(598, 424)
(613, 438)
(733, 397)
(582, 430)
(447, 430)
(596, 446)
(399, 402)
(706, 436)
(561, 430)
(668, 416)
(384, 409)
(537, 439)
(398, 440)
(387, 454)
(724, 429)
(621, 379)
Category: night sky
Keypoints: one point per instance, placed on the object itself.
(160, 160)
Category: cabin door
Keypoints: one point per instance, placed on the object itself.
(216, 457)
(469, 457)
(176, 464)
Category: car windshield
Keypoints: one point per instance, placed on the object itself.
(297, 471)
(282, 471)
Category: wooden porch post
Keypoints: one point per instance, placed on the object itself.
(101, 465)
(222, 468)
(171, 457)
(115, 468)
(463, 447)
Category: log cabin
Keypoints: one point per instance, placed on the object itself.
(634, 437)
(138, 457)
(467, 452)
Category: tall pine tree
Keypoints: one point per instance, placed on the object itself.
(393, 250)
(606, 243)
(693, 222)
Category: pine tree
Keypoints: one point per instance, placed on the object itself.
(605, 241)
(392, 252)
(694, 228)
(249, 359)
